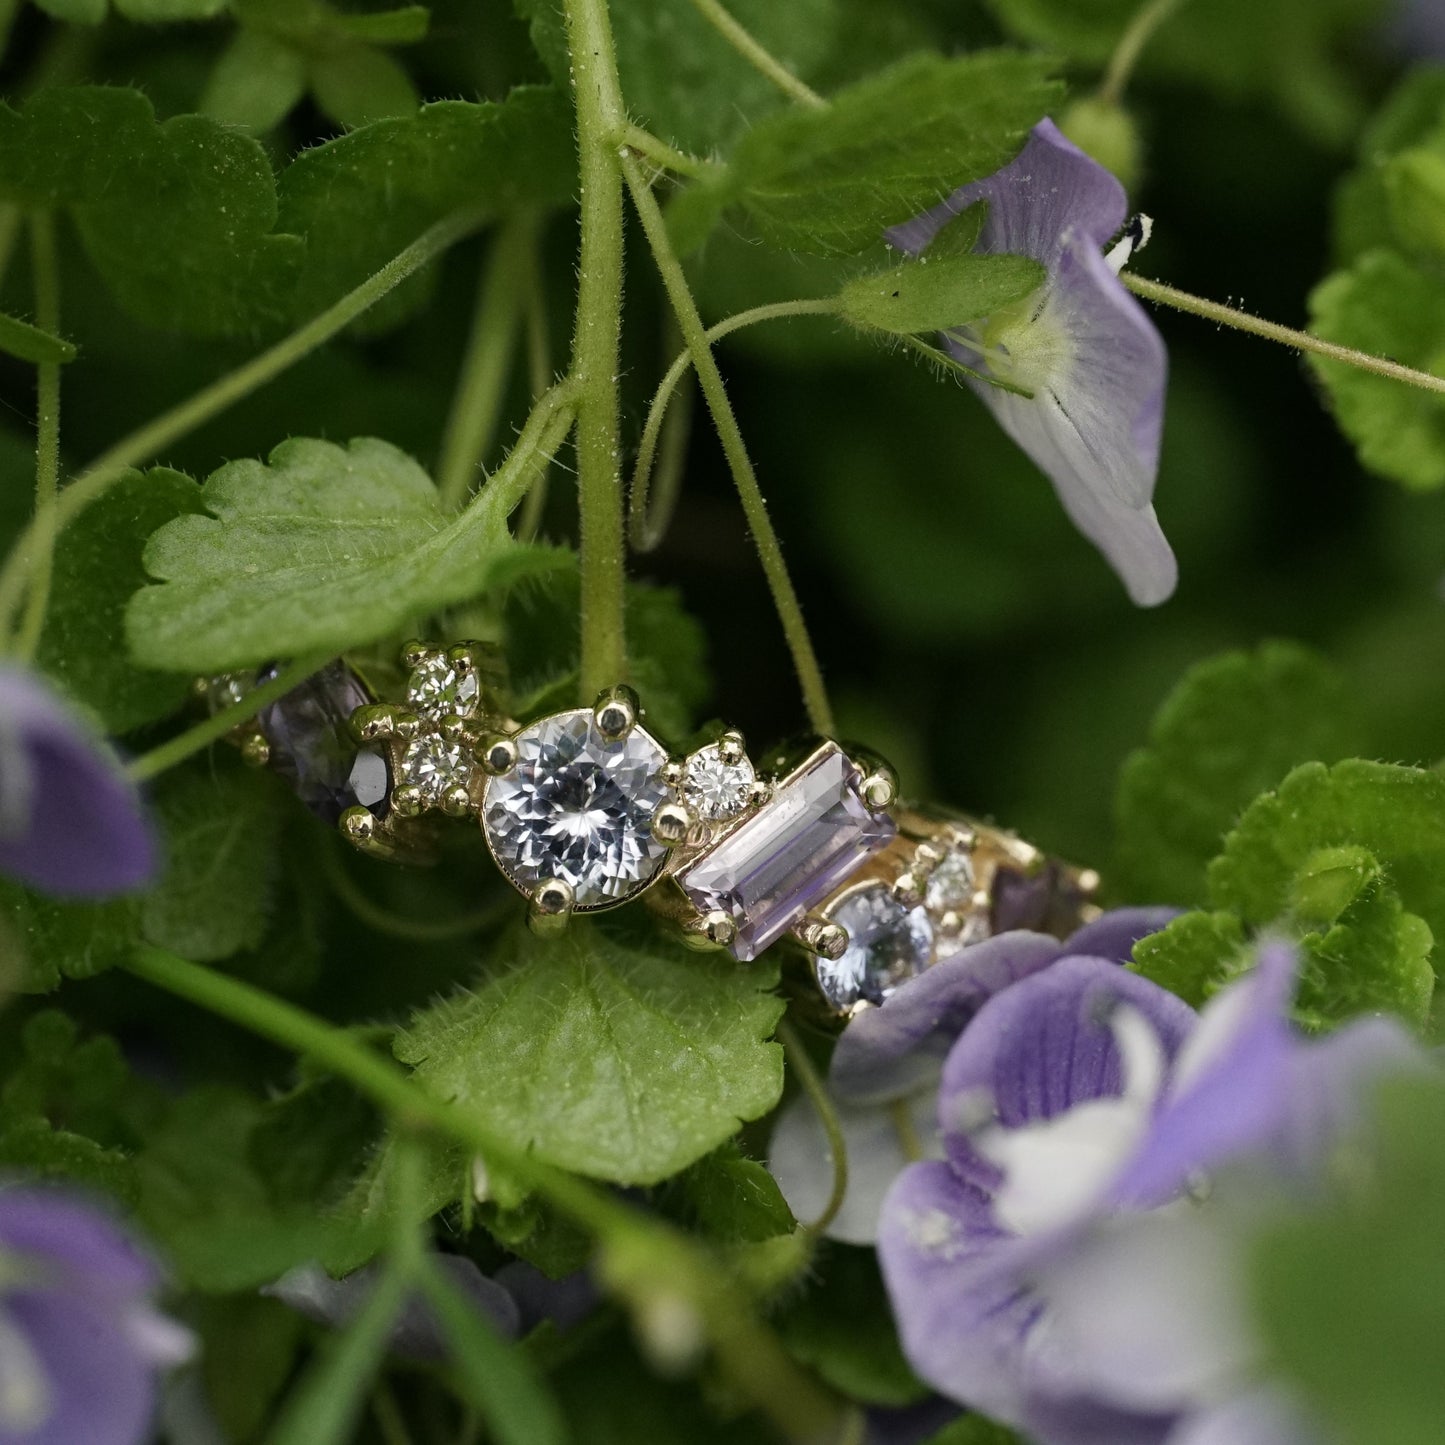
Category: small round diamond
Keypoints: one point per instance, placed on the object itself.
(438, 689)
(578, 808)
(950, 885)
(888, 944)
(715, 789)
(225, 691)
(434, 766)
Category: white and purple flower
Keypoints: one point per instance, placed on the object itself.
(70, 822)
(1073, 1264)
(1081, 344)
(81, 1343)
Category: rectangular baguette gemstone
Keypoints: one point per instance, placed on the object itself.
(788, 857)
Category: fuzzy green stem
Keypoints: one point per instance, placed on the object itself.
(801, 1064)
(756, 56)
(482, 384)
(770, 552)
(754, 1362)
(539, 377)
(664, 156)
(1300, 340)
(647, 524)
(1136, 36)
(595, 363)
(41, 551)
(197, 739)
(143, 444)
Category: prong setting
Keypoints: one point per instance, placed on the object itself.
(551, 906)
(616, 712)
(497, 754)
(671, 823)
(822, 936)
(709, 931)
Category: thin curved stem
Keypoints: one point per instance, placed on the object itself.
(759, 58)
(144, 443)
(482, 384)
(197, 739)
(802, 1065)
(646, 527)
(595, 361)
(422, 930)
(539, 378)
(1285, 335)
(1140, 30)
(765, 538)
(667, 157)
(46, 268)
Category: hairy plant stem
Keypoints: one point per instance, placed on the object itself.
(647, 525)
(1285, 335)
(481, 387)
(756, 55)
(785, 598)
(801, 1063)
(41, 550)
(642, 1257)
(539, 378)
(1137, 34)
(600, 117)
(667, 157)
(143, 444)
(197, 739)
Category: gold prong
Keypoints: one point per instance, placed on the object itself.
(1024, 854)
(462, 659)
(670, 823)
(375, 723)
(759, 793)
(407, 725)
(458, 729)
(879, 788)
(709, 931)
(408, 800)
(255, 750)
(731, 748)
(457, 801)
(415, 652)
(981, 901)
(550, 907)
(908, 890)
(926, 858)
(360, 828)
(616, 711)
(1088, 881)
(201, 688)
(962, 838)
(673, 774)
(497, 754)
(949, 924)
(827, 939)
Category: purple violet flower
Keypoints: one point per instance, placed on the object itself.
(70, 822)
(1081, 344)
(885, 1070)
(1072, 1266)
(81, 1344)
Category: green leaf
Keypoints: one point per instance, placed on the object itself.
(1386, 305)
(843, 1327)
(1347, 1296)
(34, 1147)
(1193, 955)
(65, 940)
(256, 82)
(29, 343)
(1234, 726)
(156, 11)
(355, 85)
(322, 548)
(403, 26)
(77, 12)
(248, 1350)
(729, 1198)
(1396, 814)
(832, 181)
(97, 569)
(619, 1055)
(932, 295)
(221, 830)
(1415, 187)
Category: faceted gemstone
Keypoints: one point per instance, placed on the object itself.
(311, 746)
(888, 944)
(439, 690)
(226, 691)
(370, 782)
(807, 839)
(434, 766)
(1046, 902)
(950, 885)
(578, 808)
(714, 789)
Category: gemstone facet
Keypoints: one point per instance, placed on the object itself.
(950, 885)
(807, 839)
(434, 766)
(439, 690)
(714, 789)
(578, 808)
(888, 943)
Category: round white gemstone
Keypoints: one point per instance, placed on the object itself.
(715, 789)
(435, 766)
(950, 885)
(226, 691)
(437, 688)
(578, 808)
(888, 944)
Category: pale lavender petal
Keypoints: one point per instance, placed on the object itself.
(100, 1390)
(899, 1047)
(1045, 1045)
(73, 1243)
(1114, 934)
(802, 1163)
(540, 1299)
(70, 822)
(1265, 1416)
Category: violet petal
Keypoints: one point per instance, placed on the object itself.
(75, 1243)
